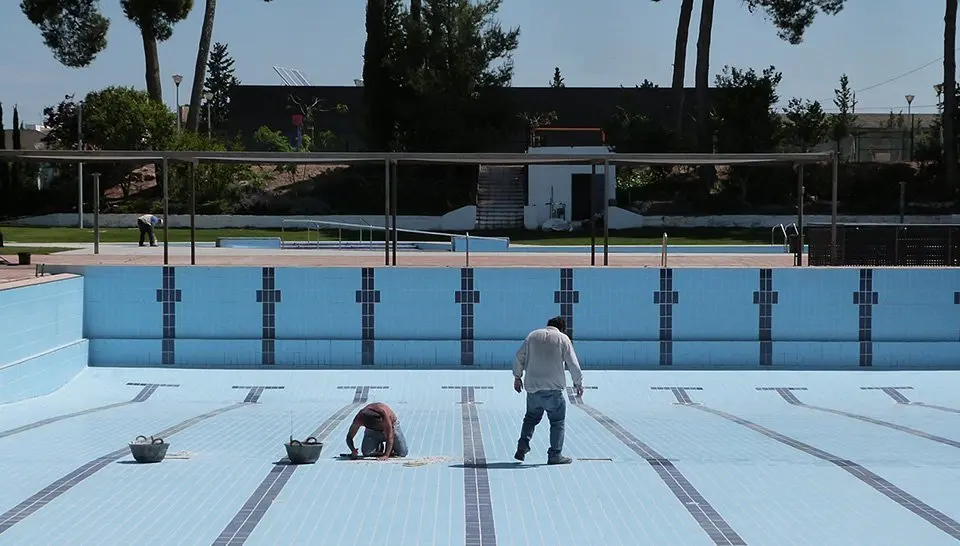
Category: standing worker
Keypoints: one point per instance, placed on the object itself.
(382, 438)
(146, 223)
(543, 356)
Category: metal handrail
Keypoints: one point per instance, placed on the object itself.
(663, 251)
(315, 224)
(786, 237)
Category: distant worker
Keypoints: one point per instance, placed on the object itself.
(543, 356)
(382, 438)
(146, 223)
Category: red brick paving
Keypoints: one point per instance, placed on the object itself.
(435, 259)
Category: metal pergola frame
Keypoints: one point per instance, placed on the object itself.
(391, 160)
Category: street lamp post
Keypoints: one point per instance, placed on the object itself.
(177, 78)
(938, 89)
(910, 115)
(208, 96)
(79, 165)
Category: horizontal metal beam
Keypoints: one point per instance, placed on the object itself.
(255, 158)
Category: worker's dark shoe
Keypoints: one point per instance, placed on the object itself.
(521, 454)
(560, 460)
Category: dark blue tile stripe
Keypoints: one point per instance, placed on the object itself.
(255, 508)
(792, 399)
(766, 298)
(567, 297)
(926, 512)
(666, 298)
(956, 301)
(368, 296)
(702, 511)
(866, 298)
(467, 297)
(898, 397)
(268, 297)
(892, 392)
(479, 528)
(37, 501)
(168, 296)
(142, 396)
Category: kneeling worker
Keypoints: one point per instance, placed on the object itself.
(382, 437)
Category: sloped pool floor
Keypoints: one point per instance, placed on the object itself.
(680, 458)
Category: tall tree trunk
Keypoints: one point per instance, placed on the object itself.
(950, 93)
(704, 141)
(200, 69)
(151, 59)
(680, 64)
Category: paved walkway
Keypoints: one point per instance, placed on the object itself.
(661, 458)
(179, 254)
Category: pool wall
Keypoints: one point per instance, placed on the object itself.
(41, 336)
(621, 318)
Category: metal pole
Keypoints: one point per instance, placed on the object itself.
(468, 249)
(209, 123)
(96, 213)
(606, 212)
(386, 211)
(166, 213)
(393, 208)
(593, 213)
(798, 255)
(178, 107)
(80, 165)
(833, 210)
(903, 198)
(193, 213)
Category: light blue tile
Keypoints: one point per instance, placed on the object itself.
(318, 303)
(715, 304)
(616, 304)
(417, 303)
(219, 303)
(816, 304)
(916, 305)
(514, 301)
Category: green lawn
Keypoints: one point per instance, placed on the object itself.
(8, 251)
(645, 236)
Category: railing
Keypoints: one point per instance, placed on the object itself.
(663, 251)
(315, 225)
(786, 236)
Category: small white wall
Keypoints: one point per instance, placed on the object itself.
(462, 219)
(758, 221)
(624, 219)
(544, 178)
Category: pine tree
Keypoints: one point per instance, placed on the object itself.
(220, 81)
(843, 123)
(15, 182)
(557, 78)
(5, 198)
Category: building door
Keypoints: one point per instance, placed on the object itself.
(580, 196)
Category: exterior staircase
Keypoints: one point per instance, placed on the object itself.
(501, 195)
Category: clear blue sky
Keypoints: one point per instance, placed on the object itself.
(613, 42)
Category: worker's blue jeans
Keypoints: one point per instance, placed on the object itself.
(553, 403)
(375, 441)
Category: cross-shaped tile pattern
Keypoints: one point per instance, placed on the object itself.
(269, 297)
(368, 296)
(467, 297)
(567, 297)
(169, 296)
(866, 298)
(956, 298)
(666, 297)
(766, 298)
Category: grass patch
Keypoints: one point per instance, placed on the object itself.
(36, 250)
(643, 236)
